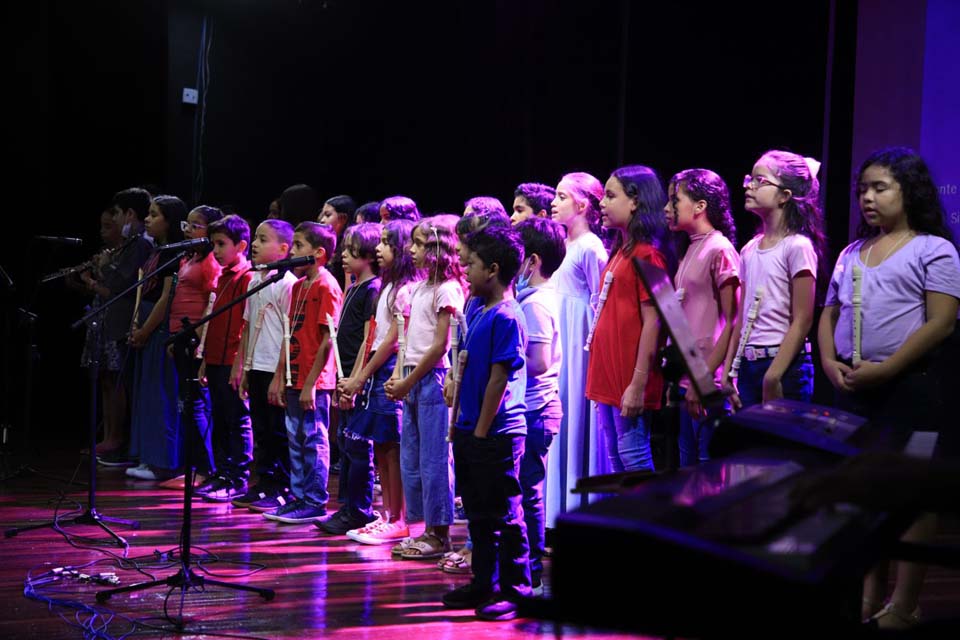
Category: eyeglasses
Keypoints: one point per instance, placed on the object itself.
(756, 182)
(186, 226)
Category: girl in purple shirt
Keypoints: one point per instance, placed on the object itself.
(909, 281)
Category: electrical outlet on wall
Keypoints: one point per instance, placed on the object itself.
(190, 96)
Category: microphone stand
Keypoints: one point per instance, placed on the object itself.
(91, 516)
(184, 346)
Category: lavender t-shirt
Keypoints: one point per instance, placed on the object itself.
(893, 294)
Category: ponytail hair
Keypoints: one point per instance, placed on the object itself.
(802, 212)
(589, 191)
(703, 184)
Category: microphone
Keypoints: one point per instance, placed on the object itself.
(59, 240)
(289, 263)
(196, 243)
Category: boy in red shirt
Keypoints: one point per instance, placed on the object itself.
(315, 297)
(232, 433)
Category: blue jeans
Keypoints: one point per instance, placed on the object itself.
(425, 462)
(309, 445)
(695, 433)
(797, 380)
(627, 439)
(232, 433)
(542, 425)
(357, 473)
(488, 470)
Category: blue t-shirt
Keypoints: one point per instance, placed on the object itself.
(494, 336)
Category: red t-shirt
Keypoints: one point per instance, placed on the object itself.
(224, 331)
(613, 352)
(197, 279)
(309, 307)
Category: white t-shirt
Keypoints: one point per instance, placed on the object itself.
(773, 269)
(274, 301)
(540, 309)
(425, 304)
(384, 316)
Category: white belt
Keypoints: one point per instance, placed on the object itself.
(760, 353)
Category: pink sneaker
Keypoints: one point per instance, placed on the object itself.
(380, 533)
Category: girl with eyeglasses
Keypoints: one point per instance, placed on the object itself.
(779, 272)
(196, 280)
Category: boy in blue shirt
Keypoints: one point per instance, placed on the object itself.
(488, 440)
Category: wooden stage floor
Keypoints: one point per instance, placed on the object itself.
(325, 586)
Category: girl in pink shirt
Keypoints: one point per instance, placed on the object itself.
(708, 285)
(196, 280)
(779, 275)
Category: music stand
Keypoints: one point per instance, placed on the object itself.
(184, 347)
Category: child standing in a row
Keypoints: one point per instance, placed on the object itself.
(623, 375)
(379, 419)
(256, 363)
(708, 286)
(779, 270)
(491, 429)
(355, 323)
(424, 452)
(313, 376)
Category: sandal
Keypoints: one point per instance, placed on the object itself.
(892, 617)
(443, 559)
(425, 547)
(459, 563)
(401, 546)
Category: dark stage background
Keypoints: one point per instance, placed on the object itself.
(437, 100)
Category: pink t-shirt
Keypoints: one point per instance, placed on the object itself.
(710, 262)
(773, 269)
(385, 312)
(196, 280)
(425, 303)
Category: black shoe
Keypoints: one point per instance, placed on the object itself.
(116, 458)
(469, 596)
(335, 468)
(339, 523)
(210, 484)
(227, 492)
(254, 493)
(271, 502)
(497, 610)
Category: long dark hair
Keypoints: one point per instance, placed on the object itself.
(174, 212)
(403, 270)
(648, 224)
(921, 199)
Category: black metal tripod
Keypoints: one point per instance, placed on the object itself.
(94, 322)
(184, 347)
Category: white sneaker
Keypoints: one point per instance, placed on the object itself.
(381, 534)
(370, 526)
(134, 471)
